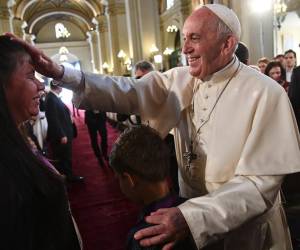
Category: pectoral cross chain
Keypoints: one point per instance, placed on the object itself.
(190, 156)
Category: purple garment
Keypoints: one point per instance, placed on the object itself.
(45, 161)
(171, 200)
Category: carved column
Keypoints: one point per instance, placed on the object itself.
(15, 24)
(256, 30)
(134, 34)
(100, 22)
(90, 42)
(18, 27)
(29, 38)
(104, 44)
(4, 19)
(10, 5)
(113, 10)
(94, 41)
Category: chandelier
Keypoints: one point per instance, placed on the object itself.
(280, 9)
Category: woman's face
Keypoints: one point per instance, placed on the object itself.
(262, 66)
(275, 73)
(23, 91)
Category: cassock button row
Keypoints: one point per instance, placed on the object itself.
(206, 97)
(204, 109)
(209, 85)
(201, 120)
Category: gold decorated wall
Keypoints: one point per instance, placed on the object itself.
(137, 27)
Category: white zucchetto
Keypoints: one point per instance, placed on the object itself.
(228, 16)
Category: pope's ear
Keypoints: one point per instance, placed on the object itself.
(229, 45)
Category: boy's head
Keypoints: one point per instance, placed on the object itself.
(139, 157)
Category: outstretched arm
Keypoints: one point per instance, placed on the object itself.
(158, 98)
(96, 91)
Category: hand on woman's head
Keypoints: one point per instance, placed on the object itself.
(42, 63)
(19, 85)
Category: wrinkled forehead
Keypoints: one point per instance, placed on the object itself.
(199, 21)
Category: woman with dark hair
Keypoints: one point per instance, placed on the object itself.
(35, 213)
(276, 71)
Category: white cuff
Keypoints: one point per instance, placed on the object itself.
(71, 78)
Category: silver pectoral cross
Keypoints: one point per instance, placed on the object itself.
(189, 155)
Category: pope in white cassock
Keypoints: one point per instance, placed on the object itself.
(235, 136)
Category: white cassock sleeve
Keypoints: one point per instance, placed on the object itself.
(116, 94)
(234, 203)
(157, 97)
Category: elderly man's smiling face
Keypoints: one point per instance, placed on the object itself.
(202, 46)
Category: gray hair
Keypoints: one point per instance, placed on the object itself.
(144, 66)
(223, 30)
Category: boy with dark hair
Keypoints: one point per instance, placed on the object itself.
(140, 160)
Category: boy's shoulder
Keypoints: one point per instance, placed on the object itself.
(171, 200)
(132, 243)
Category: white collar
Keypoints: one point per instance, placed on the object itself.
(223, 73)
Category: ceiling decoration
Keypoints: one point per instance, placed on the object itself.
(37, 13)
(293, 5)
(59, 18)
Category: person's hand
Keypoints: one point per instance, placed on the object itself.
(170, 227)
(42, 63)
(64, 140)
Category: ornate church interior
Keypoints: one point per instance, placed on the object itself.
(109, 37)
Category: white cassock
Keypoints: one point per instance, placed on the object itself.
(248, 142)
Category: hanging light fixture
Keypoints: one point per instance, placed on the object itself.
(153, 49)
(105, 66)
(172, 28)
(168, 51)
(158, 58)
(280, 9)
(121, 54)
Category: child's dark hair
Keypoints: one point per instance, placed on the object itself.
(141, 151)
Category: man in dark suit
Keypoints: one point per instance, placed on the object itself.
(294, 93)
(60, 132)
(290, 62)
(290, 185)
(96, 123)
